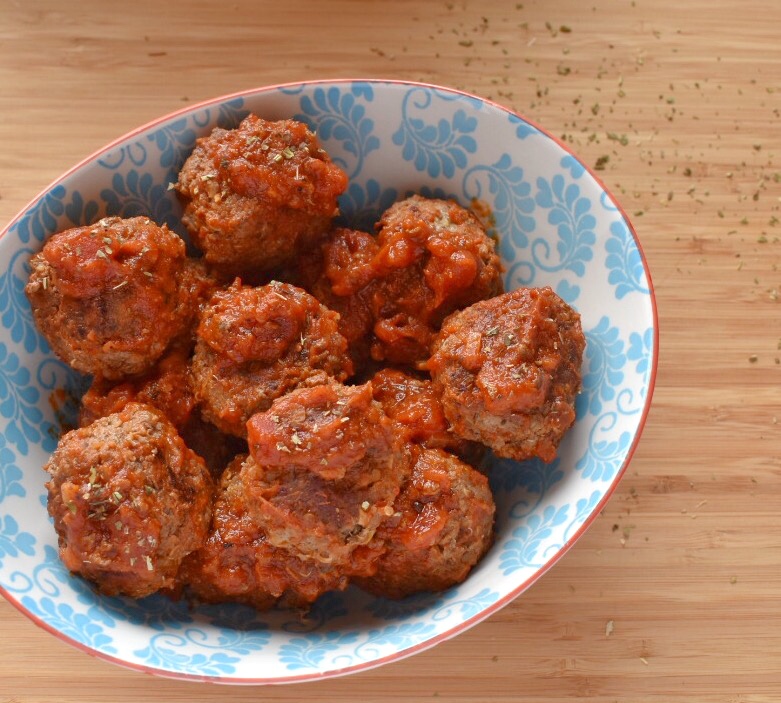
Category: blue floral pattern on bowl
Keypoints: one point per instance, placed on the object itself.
(555, 226)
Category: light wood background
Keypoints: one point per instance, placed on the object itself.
(684, 99)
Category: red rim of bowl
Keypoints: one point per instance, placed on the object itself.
(523, 586)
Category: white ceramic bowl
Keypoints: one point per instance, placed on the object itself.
(556, 226)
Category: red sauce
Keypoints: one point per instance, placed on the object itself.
(256, 326)
(278, 162)
(113, 253)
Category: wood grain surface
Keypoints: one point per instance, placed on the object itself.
(673, 594)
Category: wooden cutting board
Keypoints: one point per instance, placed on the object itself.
(673, 593)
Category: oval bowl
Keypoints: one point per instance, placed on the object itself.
(556, 225)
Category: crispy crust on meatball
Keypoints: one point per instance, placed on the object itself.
(253, 194)
(129, 501)
(442, 526)
(508, 372)
(109, 297)
(256, 344)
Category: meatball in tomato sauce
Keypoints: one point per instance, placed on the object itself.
(254, 344)
(508, 371)
(166, 387)
(110, 297)
(441, 527)
(338, 273)
(254, 194)
(129, 501)
(332, 466)
(412, 403)
(239, 563)
(433, 257)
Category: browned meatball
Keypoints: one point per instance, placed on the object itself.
(233, 564)
(434, 257)
(167, 387)
(332, 465)
(238, 562)
(508, 371)
(443, 525)
(129, 501)
(339, 275)
(198, 284)
(253, 193)
(413, 404)
(256, 344)
(110, 297)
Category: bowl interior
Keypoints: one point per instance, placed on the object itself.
(555, 226)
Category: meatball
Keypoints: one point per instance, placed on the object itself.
(167, 387)
(443, 525)
(338, 274)
(255, 344)
(332, 465)
(434, 257)
(412, 403)
(253, 194)
(508, 370)
(198, 284)
(238, 562)
(129, 501)
(109, 297)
